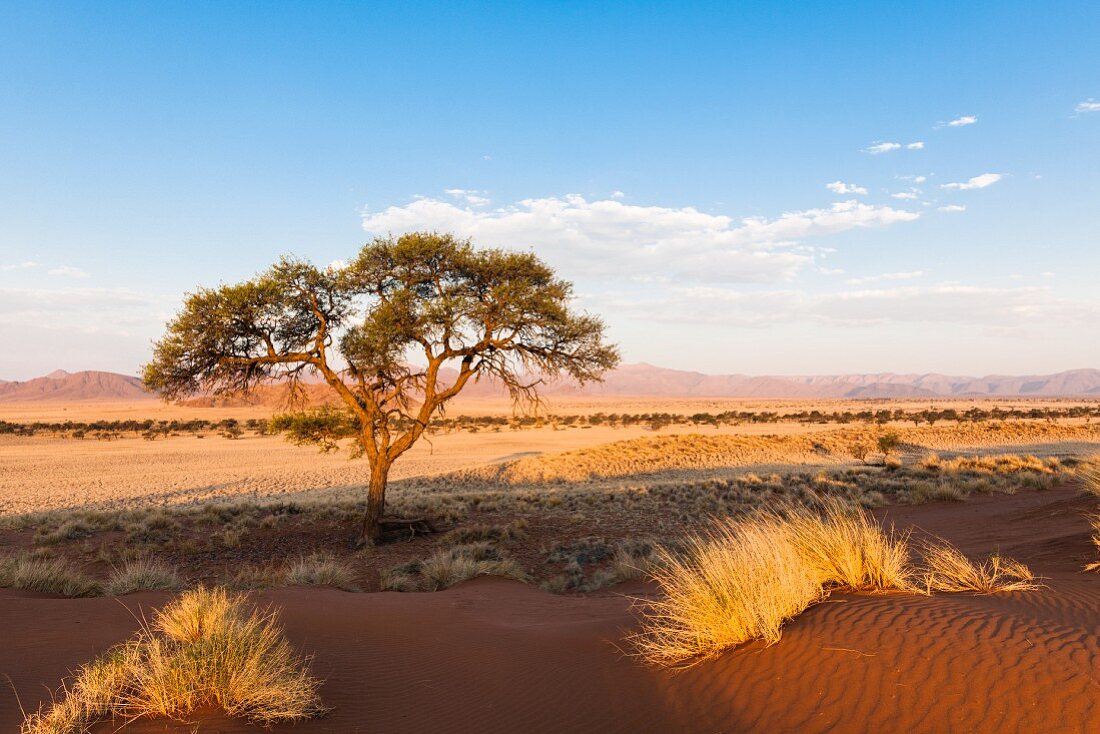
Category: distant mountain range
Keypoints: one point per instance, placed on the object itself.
(61, 386)
(634, 380)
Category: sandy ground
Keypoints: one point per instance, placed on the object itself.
(43, 472)
(40, 473)
(493, 656)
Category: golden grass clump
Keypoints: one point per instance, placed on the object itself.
(739, 582)
(322, 570)
(46, 576)
(203, 649)
(141, 574)
(742, 580)
(947, 569)
(1095, 522)
(1090, 473)
(847, 549)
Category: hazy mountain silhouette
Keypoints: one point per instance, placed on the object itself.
(633, 380)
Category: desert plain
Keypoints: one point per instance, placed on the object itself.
(529, 594)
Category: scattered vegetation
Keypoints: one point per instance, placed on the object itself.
(204, 649)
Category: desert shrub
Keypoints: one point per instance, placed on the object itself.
(922, 492)
(141, 574)
(487, 533)
(204, 649)
(322, 570)
(947, 569)
(46, 576)
(448, 567)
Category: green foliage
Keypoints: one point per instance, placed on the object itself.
(887, 442)
(324, 426)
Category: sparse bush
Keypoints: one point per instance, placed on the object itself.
(448, 567)
(322, 570)
(46, 576)
(141, 574)
(947, 569)
(204, 649)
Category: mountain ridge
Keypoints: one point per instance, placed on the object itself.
(631, 380)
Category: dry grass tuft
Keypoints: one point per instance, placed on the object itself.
(204, 649)
(141, 574)
(448, 567)
(745, 578)
(46, 576)
(1090, 473)
(947, 569)
(741, 581)
(322, 570)
(847, 549)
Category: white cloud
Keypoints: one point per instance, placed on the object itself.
(470, 196)
(880, 148)
(1089, 105)
(977, 182)
(38, 300)
(909, 275)
(618, 194)
(68, 271)
(963, 121)
(906, 195)
(18, 266)
(839, 187)
(612, 238)
(919, 145)
(1007, 310)
(952, 208)
(920, 179)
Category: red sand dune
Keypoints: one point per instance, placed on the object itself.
(497, 656)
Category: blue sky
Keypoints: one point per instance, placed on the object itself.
(674, 160)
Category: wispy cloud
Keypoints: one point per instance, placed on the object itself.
(918, 145)
(977, 182)
(67, 271)
(472, 197)
(963, 121)
(910, 194)
(880, 148)
(839, 187)
(952, 208)
(1089, 105)
(908, 275)
(8, 267)
(1006, 309)
(615, 239)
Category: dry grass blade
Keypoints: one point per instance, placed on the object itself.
(947, 569)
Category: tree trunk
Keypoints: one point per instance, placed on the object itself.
(376, 503)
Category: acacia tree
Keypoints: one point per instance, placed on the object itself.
(424, 299)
